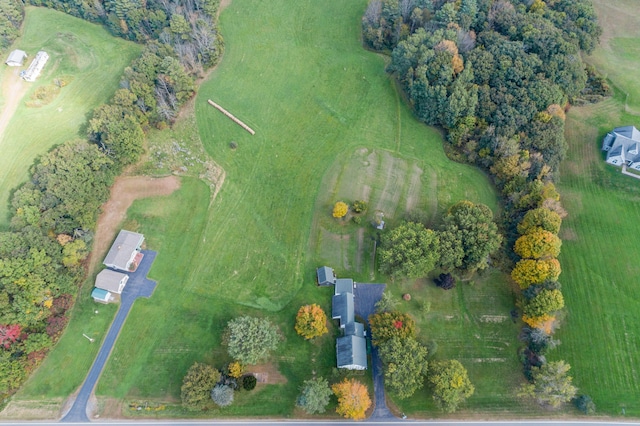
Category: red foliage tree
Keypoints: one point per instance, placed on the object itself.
(9, 333)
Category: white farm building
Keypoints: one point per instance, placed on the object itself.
(16, 58)
(36, 66)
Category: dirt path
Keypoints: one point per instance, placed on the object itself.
(13, 89)
(123, 193)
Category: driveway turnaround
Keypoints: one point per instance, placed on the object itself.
(138, 285)
(366, 297)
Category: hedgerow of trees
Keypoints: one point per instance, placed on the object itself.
(53, 215)
(498, 75)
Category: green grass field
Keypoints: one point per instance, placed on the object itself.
(89, 58)
(599, 255)
(329, 125)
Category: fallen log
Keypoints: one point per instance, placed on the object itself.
(231, 116)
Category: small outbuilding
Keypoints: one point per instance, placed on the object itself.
(36, 66)
(325, 276)
(101, 295)
(124, 254)
(16, 58)
(111, 281)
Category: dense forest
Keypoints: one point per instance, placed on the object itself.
(498, 76)
(55, 212)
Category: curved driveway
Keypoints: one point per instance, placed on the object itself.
(138, 285)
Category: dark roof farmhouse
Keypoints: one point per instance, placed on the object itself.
(124, 250)
(351, 348)
(622, 145)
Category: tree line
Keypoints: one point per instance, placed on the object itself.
(54, 214)
(11, 17)
(498, 76)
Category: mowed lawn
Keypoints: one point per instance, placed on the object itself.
(600, 253)
(320, 105)
(83, 54)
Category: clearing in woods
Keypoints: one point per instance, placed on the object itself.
(88, 58)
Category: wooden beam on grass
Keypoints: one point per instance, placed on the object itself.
(231, 116)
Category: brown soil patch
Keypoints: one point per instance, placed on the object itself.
(123, 193)
(267, 374)
(13, 89)
(223, 5)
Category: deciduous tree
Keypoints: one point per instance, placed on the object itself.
(353, 399)
(410, 250)
(405, 365)
(386, 325)
(551, 384)
(545, 302)
(450, 383)
(251, 340)
(197, 385)
(530, 271)
(469, 231)
(540, 219)
(538, 245)
(340, 209)
(311, 321)
(314, 395)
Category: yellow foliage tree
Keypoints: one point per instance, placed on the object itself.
(538, 244)
(529, 271)
(236, 369)
(353, 399)
(543, 322)
(340, 209)
(557, 111)
(311, 321)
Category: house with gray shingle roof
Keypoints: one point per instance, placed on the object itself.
(622, 146)
(351, 348)
(325, 276)
(111, 281)
(124, 252)
(351, 352)
(342, 308)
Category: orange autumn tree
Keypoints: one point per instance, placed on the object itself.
(353, 399)
(311, 321)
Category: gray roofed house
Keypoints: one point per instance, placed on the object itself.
(351, 352)
(622, 145)
(122, 254)
(111, 281)
(354, 329)
(16, 58)
(344, 285)
(325, 276)
(342, 308)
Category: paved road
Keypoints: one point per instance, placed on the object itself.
(137, 286)
(366, 297)
(351, 423)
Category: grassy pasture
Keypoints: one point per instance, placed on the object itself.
(92, 61)
(599, 253)
(330, 125)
